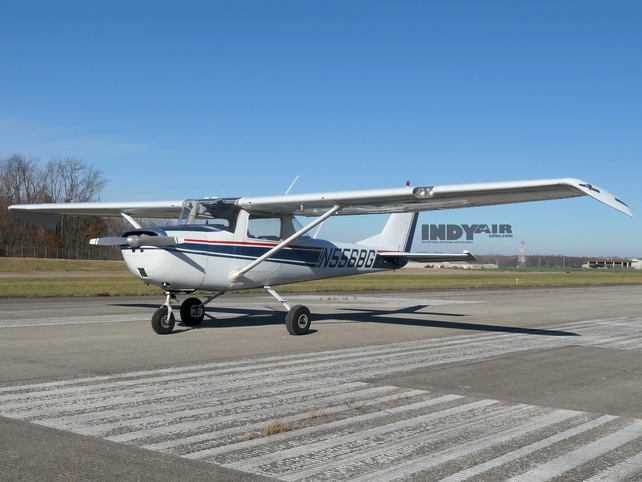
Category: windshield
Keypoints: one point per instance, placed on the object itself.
(218, 213)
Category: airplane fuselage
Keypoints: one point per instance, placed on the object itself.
(207, 256)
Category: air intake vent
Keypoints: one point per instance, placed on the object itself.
(142, 272)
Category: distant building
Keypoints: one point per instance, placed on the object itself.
(614, 263)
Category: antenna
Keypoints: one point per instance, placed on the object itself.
(295, 180)
(286, 193)
(521, 259)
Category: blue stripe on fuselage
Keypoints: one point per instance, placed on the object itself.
(298, 256)
(329, 256)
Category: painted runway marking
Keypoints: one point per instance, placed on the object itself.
(330, 424)
(71, 320)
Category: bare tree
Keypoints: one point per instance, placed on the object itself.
(71, 180)
(22, 181)
(68, 179)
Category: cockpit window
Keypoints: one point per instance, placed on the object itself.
(219, 214)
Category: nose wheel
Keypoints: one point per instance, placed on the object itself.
(163, 321)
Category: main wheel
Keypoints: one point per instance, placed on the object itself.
(161, 323)
(297, 321)
(192, 312)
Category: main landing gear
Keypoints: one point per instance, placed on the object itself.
(297, 320)
(192, 311)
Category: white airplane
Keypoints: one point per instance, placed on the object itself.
(228, 244)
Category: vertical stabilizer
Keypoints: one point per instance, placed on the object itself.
(397, 234)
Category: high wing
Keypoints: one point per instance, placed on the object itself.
(48, 215)
(428, 198)
(405, 199)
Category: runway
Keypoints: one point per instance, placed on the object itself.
(522, 384)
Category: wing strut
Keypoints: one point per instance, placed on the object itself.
(236, 275)
(131, 220)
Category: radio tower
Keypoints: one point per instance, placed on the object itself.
(521, 259)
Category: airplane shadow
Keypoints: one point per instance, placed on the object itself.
(379, 316)
(267, 317)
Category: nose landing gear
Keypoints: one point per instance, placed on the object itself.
(163, 321)
(192, 312)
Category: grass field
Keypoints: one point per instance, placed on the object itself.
(30, 277)
(28, 266)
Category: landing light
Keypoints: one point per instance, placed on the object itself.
(422, 192)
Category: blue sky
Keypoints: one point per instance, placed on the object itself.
(232, 98)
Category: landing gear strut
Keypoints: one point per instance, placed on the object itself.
(163, 319)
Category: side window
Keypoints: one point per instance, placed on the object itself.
(260, 227)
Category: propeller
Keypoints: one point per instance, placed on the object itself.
(136, 241)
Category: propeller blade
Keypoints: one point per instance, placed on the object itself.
(135, 241)
(108, 241)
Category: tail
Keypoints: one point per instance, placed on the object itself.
(397, 234)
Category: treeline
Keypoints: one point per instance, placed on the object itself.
(28, 181)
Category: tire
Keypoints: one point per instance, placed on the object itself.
(161, 324)
(192, 313)
(297, 321)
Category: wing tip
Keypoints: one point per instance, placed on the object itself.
(603, 196)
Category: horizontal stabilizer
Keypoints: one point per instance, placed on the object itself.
(431, 257)
(136, 241)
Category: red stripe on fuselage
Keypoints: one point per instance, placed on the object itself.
(245, 243)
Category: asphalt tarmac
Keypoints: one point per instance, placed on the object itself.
(517, 384)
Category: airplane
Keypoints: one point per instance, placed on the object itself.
(227, 244)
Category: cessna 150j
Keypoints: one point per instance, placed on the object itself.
(226, 244)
